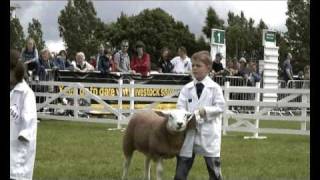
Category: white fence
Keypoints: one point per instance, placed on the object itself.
(81, 96)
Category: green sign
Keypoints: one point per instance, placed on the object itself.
(270, 36)
(217, 37)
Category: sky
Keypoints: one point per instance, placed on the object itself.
(192, 13)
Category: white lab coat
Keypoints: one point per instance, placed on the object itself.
(206, 138)
(23, 122)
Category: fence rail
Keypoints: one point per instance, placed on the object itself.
(75, 101)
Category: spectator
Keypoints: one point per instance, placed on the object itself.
(306, 83)
(23, 122)
(165, 66)
(140, 63)
(254, 75)
(81, 64)
(93, 61)
(100, 54)
(104, 65)
(59, 61)
(122, 59)
(217, 68)
(236, 67)
(111, 50)
(30, 58)
(287, 68)
(182, 63)
(300, 75)
(230, 71)
(243, 71)
(45, 63)
(306, 70)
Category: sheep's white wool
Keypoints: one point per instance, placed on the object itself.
(178, 119)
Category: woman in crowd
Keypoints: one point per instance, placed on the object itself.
(29, 57)
(140, 63)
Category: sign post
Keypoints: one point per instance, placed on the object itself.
(270, 65)
(218, 44)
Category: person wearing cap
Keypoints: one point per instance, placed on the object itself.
(140, 63)
(217, 67)
(182, 63)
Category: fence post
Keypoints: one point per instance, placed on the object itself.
(225, 116)
(256, 111)
(120, 103)
(304, 113)
(131, 96)
(76, 102)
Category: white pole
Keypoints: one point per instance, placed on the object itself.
(76, 102)
(256, 109)
(131, 96)
(304, 113)
(225, 116)
(120, 103)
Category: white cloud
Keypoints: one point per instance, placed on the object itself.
(55, 46)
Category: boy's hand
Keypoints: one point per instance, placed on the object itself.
(202, 112)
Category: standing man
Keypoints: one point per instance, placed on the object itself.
(217, 67)
(182, 63)
(287, 68)
(99, 55)
(122, 59)
(23, 122)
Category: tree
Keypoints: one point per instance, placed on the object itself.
(298, 25)
(35, 32)
(16, 32)
(156, 28)
(80, 28)
(212, 21)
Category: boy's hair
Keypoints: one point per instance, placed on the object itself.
(16, 65)
(203, 56)
(183, 49)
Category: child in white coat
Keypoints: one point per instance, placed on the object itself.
(203, 97)
(23, 122)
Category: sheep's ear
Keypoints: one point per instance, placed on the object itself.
(161, 113)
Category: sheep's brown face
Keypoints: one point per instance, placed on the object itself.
(178, 120)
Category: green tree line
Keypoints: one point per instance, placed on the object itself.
(82, 30)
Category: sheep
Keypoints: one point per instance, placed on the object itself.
(158, 135)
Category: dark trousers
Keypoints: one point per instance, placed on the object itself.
(184, 165)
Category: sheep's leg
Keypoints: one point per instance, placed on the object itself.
(126, 167)
(147, 167)
(159, 169)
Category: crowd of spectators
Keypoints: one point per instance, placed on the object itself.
(139, 62)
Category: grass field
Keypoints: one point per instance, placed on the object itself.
(74, 150)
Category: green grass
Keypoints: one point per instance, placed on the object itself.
(74, 150)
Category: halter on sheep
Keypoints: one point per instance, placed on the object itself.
(158, 135)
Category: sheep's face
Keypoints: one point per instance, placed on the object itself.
(177, 120)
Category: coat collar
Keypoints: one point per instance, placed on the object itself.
(21, 86)
(207, 82)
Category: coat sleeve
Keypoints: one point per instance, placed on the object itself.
(218, 104)
(29, 117)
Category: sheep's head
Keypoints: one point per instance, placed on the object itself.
(177, 119)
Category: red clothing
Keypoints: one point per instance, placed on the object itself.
(141, 65)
